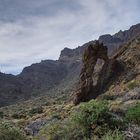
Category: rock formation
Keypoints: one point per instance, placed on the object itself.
(111, 68)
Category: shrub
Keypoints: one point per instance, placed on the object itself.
(9, 132)
(18, 115)
(1, 114)
(132, 84)
(116, 135)
(65, 130)
(91, 119)
(95, 115)
(37, 110)
(133, 114)
(15, 116)
(91, 113)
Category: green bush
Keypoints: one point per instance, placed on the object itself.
(1, 114)
(133, 114)
(95, 117)
(15, 116)
(91, 113)
(9, 132)
(36, 110)
(18, 115)
(92, 119)
(59, 130)
(116, 135)
(132, 84)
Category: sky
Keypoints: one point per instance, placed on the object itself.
(35, 30)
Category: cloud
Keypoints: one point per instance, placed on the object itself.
(39, 34)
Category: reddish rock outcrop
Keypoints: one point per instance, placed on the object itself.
(87, 89)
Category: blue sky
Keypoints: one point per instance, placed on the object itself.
(34, 30)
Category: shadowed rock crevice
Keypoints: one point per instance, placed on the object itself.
(87, 89)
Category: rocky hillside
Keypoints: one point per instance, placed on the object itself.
(118, 75)
(9, 84)
(108, 101)
(115, 111)
(38, 79)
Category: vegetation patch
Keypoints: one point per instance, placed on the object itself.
(1, 114)
(113, 135)
(133, 114)
(10, 132)
(92, 119)
(132, 84)
(37, 110)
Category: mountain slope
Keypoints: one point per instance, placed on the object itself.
(38, 79)
(115, 110)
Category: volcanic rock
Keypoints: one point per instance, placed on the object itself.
(110, 69)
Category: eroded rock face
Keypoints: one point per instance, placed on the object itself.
(87, 89)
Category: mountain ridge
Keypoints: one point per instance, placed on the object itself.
(41, 77)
